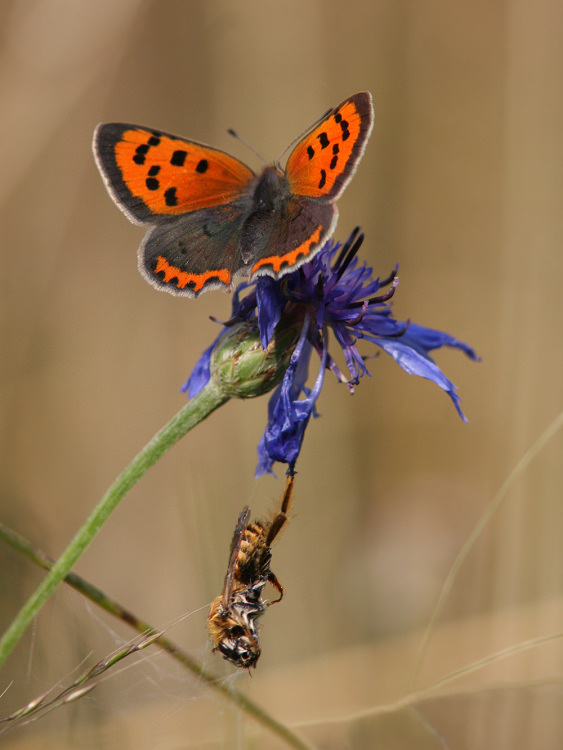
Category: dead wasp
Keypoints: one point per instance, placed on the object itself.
(232, 621)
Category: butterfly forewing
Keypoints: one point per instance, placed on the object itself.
(323, 162)
(154, 175)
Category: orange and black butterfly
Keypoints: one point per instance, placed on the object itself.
(211, 218)
(232, 623)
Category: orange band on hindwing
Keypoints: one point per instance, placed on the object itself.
(292, 258)
(199, 280)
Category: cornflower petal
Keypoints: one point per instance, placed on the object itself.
(201, 373)
(269, 303)
(334, 291)
(416, 363)
(288, 414)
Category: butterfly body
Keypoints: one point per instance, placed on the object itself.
(212, 218)
(268, 196)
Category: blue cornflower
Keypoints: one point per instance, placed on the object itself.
(332, 291)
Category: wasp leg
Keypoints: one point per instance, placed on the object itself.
(288, 493)
(277, 524)
(277, 585)
(281, 518)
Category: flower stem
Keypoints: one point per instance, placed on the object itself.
(196, 410)
(225, 687)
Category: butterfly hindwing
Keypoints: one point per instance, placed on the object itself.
(300, 229)
(324, 161)
(196, 252)
(155, 176)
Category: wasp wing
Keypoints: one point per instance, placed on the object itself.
(242, 523)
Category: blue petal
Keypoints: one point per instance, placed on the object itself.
(412, 356)
(288, 416)
(270, 302)
(426, 339)
(354, 361)
(200, 374)
(237, 303)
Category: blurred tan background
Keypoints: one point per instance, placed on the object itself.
(462, 184)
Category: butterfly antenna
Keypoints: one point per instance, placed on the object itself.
(303, 134)
(232, 132)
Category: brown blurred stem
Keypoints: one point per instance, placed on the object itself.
(21, 544)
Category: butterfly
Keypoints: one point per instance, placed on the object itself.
(210, 218)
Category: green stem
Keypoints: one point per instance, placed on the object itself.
(197, 409)
(224, 687)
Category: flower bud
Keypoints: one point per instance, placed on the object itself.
(241, 368)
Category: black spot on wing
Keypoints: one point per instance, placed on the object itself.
(323, 139)
(334, 160)
(178, 158)
(170, 197)
(141, 153)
